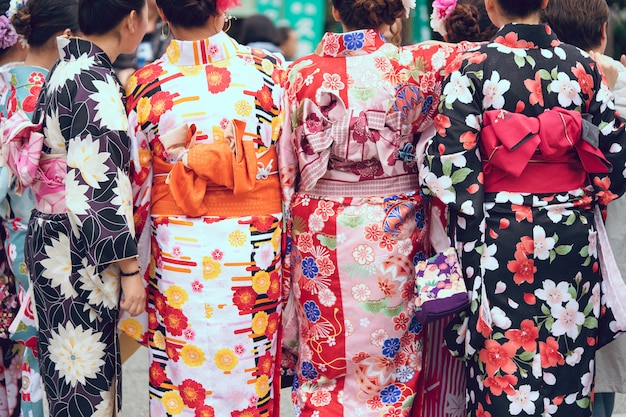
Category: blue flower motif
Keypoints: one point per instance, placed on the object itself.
(420, 218)
(391, 347)
(296, 383)
(309, 268)
(404, 374)
(419, 256)
(427, 103)
(354, 40)
(312, 311)
(308, 370)
(390, 394)
(415, 327)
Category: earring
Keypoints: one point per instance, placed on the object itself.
(163, 27)
(228, 19)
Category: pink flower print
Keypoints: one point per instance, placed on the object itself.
(189, 334)
(36, 78)
(333, 82)
(331, 45)
(217, 255)
(197, 286)
(224, 123)
(213, 49)
(239, 350)
(176, 252)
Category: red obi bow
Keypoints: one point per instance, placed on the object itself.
(509, 141)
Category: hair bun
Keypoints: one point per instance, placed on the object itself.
(463, 24)
(21, 21)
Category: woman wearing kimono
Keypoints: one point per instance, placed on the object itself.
(38, 23)
(522, 193)
(206, 116)
(80, 244)
(356, 218)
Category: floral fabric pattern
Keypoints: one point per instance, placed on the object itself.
(214, 281)
(530, 260)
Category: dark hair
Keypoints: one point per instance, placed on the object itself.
(40, 20)
(4, 6)
(97, 17)
(519, 8)
(259, 28)
(469, 22)
(283, 34)
(188, 13)
(577, 22)
(369, 14)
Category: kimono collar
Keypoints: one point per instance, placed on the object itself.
(517, 35)
(359, 42)
(73, 48)
(205, 51)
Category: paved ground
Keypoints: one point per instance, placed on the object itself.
(135, 391)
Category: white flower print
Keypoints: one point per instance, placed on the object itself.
(467, 208)
(474, 121)
(378, 337)
(347, 324)
(542, 244)
(102, 289)
(593, 243)
(568, 90)
(605, 98)
(488, 261)
(523, 400)
(333, 82)
(361, 292)
(364, 322)
(320, 398)
(404, 247)
(52, 133)
(549, 408)
(587, 379)
(77, 354)
(458, 88)
(500, 318)
(124, 199)
(369, 79)
(327, 298)
(316, 223)
(596, 295)
(568, 319)
(363, 254)
(514, 198)
(554, 294)
(556, 213)
(573, 357)
(536, 366)
(58, 266)
(76, 199)
(68, 70)
(493, 91)
(85, 155)
(264, 255)
(110, 107)
(440, 187)
(105, 408)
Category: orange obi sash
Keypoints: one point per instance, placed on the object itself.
(550, 153)
(224, 178)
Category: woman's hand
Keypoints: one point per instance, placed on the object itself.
(609, 70)
(133, 292)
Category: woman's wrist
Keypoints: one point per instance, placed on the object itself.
(129, 274)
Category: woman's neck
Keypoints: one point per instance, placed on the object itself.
(108, 43)
(213, 26)
(43, 56)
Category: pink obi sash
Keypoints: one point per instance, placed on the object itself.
(549, 153)
(22, 144)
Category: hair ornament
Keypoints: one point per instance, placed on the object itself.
(442, 9)
(408, 6)
(8, 37)
(225, 5)
(14, 6)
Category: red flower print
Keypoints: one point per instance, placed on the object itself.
(468, 139)
(36, 78)
(536, 91)
(550, 355)
(248, 412)
(192, 393)
(387, 243)
(526, 245)
(274, 289)
(157, 374)
(218, 79)
(272, 325)
(523, 268)
(175, 321)
(400, 322)
(393, 412)
(525, 337)
(454, 66)
(263, 223)
(441, 124)
(475, 57)
(245, 299)
(264, 365)
(264, 96)
(148, 73)
(498, 357)
(585, 80)
(530, 299)
(160, 303)
(499, 384)
(325, 209)
(153, 323)
(172, 351)
(386, 287)
(512, 41)
(481, 412)
(522, 213)
(205, 411)
(30, 102)
(373, 232)
(375, 403)
(606, 196)
(325, 266)
(160, 102)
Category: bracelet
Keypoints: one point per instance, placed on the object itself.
(129, 274)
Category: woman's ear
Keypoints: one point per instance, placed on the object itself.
(67, 33)
(336, 15)
(131, 21)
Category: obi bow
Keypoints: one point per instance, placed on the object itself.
(510, 141)
(22, 142)
(330, 130)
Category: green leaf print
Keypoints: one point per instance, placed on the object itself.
(588, 309)
(549, 323)
(497, 335)
(350, 220)
(555, 73)
(572, 292)
(552, 255)
(355, 270)
(527, 356)
(375, 306)
(446, 167)
(570, 220)
(362, 94)
(583, 403)
(545, 75)
(531, 61)
(591, 323)
(520, 61)
(545, 309)
(563, 249)
(460, 175)
(329, 242)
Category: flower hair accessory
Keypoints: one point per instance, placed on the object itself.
(408, 6)
(8, 37)
(225, 5)
(442, 9)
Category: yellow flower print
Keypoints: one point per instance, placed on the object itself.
(208, 311)
(267, 66)
(143, 110)
(262, 386)
(237, 238)
(173, 52)
(192, 355)
(261, 282)
(218, 134)
(131, 327)
(243, 108)
(173, 402)
(176, 296)
(226, 360)
(259, 322)
(210, 268)
(190, 69)
(159, 340)
(276, 238)
(131, 84)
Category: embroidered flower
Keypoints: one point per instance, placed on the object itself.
(442, 9)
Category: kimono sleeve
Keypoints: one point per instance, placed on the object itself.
(97, 185)
(452, 168)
